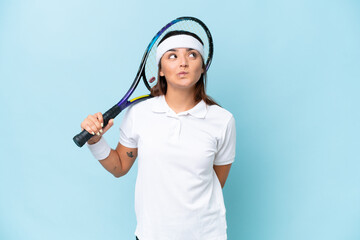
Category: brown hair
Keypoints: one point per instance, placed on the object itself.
(161, 86)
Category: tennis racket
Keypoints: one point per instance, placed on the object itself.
(148, 70)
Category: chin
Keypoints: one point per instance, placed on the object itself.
(185, 85)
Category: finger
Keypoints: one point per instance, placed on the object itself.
(95, 121)
(99, 116)
(109, 125)
(89, 130)
(85, 125)
(94, 124)
(90, 127)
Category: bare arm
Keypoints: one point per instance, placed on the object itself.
(222, 173)
(120, 160)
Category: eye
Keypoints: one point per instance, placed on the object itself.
(172, 56)
(192, 55)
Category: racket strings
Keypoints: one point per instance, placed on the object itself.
(151, 67)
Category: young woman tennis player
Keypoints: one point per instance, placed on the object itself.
(184, 143)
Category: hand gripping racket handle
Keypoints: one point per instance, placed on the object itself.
(81, 138)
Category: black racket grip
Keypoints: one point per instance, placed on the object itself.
(81, 138)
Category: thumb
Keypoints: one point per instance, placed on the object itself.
(108, 126)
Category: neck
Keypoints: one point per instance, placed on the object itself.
(180, 100)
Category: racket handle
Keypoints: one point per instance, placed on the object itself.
(81, 138)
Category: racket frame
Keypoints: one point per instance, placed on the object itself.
(81, 138)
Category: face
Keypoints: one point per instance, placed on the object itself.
(182, 68)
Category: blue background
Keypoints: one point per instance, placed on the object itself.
(289, 71)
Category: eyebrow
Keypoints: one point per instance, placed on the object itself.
(174, 50)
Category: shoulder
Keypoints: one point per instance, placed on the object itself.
(219, 120)
(141, 107)
(225, 122)
(145, 104)
(218, 113)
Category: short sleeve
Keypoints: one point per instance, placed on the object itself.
(227, 144)
(128, 138)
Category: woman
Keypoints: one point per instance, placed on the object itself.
(185, 145)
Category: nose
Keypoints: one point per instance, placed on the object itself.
(183, 60)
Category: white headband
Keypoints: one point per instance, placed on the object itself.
(178, 41)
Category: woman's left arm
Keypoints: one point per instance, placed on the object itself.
(222, 172)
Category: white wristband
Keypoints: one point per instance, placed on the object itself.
(100, 150)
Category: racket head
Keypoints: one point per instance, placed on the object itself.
(189, 24)
(148, 69)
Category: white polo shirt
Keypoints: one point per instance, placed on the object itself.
(177, 194)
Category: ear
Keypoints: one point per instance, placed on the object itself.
(161, 73)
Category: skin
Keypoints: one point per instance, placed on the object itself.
(182, 68)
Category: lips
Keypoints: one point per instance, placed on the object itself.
(182, 74)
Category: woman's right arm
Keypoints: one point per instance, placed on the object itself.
(120, 160)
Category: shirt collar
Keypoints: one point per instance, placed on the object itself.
(160, 106)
